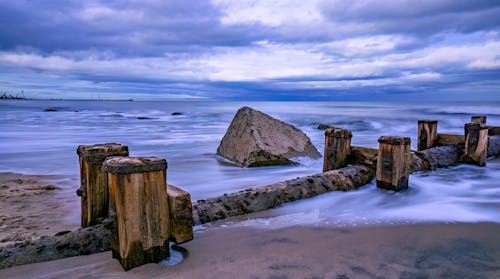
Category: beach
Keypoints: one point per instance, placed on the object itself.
(400, 251)
(231, 249)
(33, 206)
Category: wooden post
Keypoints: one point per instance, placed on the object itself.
(139, 205)
(93, 181)
(393, 163)
(427, 134)
(181, 215)
(476, 144)
(337, 148)
(481, 119)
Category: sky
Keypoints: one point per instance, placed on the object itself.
(367, 50)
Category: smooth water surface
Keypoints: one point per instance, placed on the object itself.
(33, 141)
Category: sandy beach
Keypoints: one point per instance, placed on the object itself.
(33, 206)
(438, 250)
(415, 251)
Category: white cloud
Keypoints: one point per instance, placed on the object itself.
(267, 62)
(271, 13)
(162, 68)
(404, 79)
(96, 13)
(365, 45)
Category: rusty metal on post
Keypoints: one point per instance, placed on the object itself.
(337, 148)
(476, 144)
(393, 163)
(93, 181)
(139, 206)
(427, 134)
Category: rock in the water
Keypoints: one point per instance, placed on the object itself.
(176, 113)
(50, 110)
(256, 139)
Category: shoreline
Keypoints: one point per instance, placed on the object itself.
(460, 250)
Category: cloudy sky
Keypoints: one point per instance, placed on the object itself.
(251, 49)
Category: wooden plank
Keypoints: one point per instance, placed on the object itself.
(449, 139)
(494, 130)
(337, 148)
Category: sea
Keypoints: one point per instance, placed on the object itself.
(187, 134)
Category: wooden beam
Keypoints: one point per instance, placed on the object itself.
(427, 134)
(476, 144)
(181, 215)
(138, 195)
(393, 163)
(337, 148)
(94, 182)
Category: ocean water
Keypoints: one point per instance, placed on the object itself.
(33, 141)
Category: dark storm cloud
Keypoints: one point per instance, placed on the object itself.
(416, 17)
(259, 50)
(123, 27)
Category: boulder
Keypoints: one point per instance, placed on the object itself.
(256, 139)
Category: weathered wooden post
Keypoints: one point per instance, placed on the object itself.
(427, 134)
(476, 144)
(481, 119)
(138, 197)
(94, 182)
(181, 215)
(337, 148)
(393, 163)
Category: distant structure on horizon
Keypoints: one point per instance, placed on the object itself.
(6, 96)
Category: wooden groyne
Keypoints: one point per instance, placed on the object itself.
(360, 172)
(446, 150)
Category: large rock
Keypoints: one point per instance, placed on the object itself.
(256, 139)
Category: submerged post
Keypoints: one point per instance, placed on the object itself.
(476, 144)
(427, 134)
(481, 119)
(94, 182)
(139, 205)
(337, 148)
(393, 163)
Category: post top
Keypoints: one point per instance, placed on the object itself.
(394, 140)
(102, 150)
(476, 125)
(478, 119)
(427, 121)
(338, 132)
(127, 165)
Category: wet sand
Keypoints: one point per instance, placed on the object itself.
(462, 250)
(32, 206)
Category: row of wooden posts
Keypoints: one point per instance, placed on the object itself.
(146, 213)
(394, 154)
